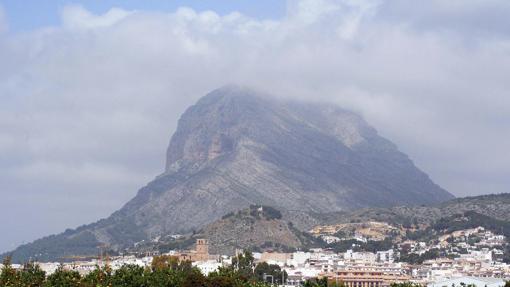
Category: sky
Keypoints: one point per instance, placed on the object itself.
(91, 91)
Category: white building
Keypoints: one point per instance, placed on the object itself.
(207, 267)
(299, 258)
(462, 281)
(385, 256)
(367, 257)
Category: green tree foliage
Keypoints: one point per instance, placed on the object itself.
(472, 219)
(194, 278)
(63, 278)
(316, 282)
(129, 276)
(355, 245)
(101, 276)
(263, 269)
(414, 258)
(506, 255)
(244, 264)
(164, 262)
(9, 276)
(165, 277)
(268, 212)
(31, 275)
(165, 271)
(57, 246)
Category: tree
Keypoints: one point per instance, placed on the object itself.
(166, 277)
(316, 282)
(164, 262)
(225, 276)
(220, 281)
(63, 278)
(9, 276)
(194, 278)
(339, 284)
(272, 270)
(244, 264)
(32, 275)
(168, 271)
(99, 277)
(129, 276)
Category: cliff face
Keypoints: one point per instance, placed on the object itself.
(234, 148)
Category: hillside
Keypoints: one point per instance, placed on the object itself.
(256, 228)
(266, 228)
(496, 206)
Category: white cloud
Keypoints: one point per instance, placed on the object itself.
(98, 98)
(75, 16)
(309, 11)
(3, 20)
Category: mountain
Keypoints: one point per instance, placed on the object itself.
(237, 147)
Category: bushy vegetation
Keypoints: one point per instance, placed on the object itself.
(165, 271)
(315, 282)
(506, 255)
(254, 211)
(414, 258)
(268, 212)
(54, 247)
(446, 225)
(472, 219)
(355, 245)
(177, 244)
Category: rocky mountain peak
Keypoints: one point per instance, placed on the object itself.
(224, 118)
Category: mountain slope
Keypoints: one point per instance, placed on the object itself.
(234, 148)
(496, 206)
(265, 228)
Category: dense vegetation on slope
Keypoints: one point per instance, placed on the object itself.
(471, 219)
(57, 247)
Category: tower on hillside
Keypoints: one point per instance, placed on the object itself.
(202, 246)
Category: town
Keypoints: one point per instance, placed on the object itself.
(471, 257)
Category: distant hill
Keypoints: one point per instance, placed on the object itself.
(266, 228)
(257, 228)
(237, 147)
(496, 206)
(244, 230)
